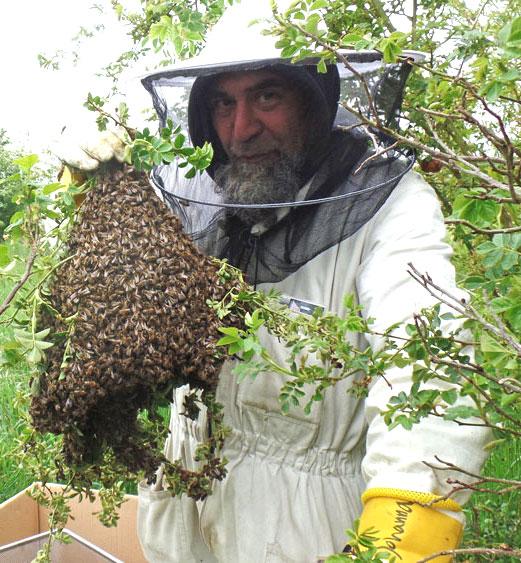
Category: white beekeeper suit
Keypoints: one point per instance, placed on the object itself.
(295, 481)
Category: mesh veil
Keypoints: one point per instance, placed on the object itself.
(349, 184)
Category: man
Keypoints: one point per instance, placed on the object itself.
(297, 205)
(295, 481)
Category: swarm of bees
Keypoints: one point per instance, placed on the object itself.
(130, 317)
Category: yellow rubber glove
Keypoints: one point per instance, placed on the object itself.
(408, 530)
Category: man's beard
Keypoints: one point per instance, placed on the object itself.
(259, 183)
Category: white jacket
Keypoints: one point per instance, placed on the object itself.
(294, 481)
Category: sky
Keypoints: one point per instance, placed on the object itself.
(36, 103)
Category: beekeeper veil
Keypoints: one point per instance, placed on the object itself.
(341, 181)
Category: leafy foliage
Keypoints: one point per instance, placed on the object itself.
(8, 185)
(148, 151)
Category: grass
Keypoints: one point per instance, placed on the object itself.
(495, 520)
(12, 477)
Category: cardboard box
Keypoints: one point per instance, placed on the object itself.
(76, 549)
(21, 517)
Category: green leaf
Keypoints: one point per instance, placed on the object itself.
(5, 257)
(225, 340)
(449, 396)
(490, 344)
(338, 558)
(34, 356)
(492, 90)
(179, 141)
(9, 267)
(26, 162)
(511, 75)
(322, 67)
(318, 4)
(50, 188)
(480, 212)
(230, 330)
(311, 25)
(460, 411)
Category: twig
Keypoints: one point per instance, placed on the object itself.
(448, 466)
(473, 550)
(462, 307)
(451, 158)
(130, 130)
(489, 400)
(479, 229)
(376, 155)
(414, 20)
(380, 12)
(492, 197)
(19, 284)
(461, 486)
(338, 56)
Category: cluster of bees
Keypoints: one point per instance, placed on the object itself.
(135, 293)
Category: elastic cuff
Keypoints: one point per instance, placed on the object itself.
(413, 496)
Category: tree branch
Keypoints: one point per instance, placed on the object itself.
(450, 158)
(448, 466)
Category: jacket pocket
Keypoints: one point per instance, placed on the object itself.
(168, 528)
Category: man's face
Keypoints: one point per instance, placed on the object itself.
(258, 117)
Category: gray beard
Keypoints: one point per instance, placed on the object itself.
(258, 184)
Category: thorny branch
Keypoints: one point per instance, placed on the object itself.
(377, 154)
(117, 122)
(461, 486)
(489, 400)
(509, 485)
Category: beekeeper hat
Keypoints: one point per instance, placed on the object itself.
(342, 194)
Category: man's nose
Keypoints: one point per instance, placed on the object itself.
(246, 124)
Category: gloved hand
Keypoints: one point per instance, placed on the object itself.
(87, 148)
(408, 530)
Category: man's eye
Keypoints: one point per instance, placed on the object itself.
(268, 98)
(221, 105)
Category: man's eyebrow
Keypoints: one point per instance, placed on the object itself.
(268, 83)
(218, 93)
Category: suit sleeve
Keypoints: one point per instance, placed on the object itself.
(410, 229)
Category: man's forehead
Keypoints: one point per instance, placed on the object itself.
(230, 82)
